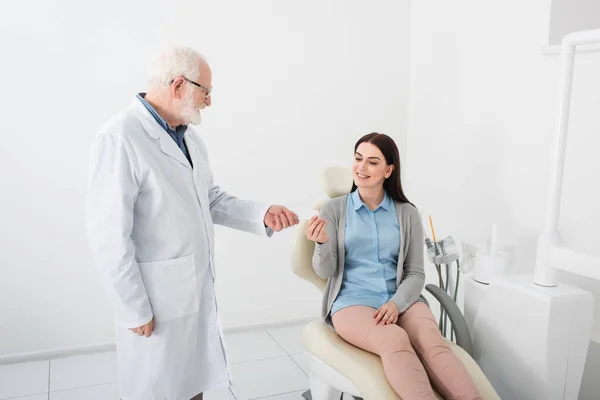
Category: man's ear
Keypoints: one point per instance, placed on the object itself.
(177, 86)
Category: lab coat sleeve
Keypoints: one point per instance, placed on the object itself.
(228, 210)
(413, 281)
(112, 191)
(243, 215)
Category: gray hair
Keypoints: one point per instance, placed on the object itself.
(174, 62)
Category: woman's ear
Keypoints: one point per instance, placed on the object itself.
(389, 171)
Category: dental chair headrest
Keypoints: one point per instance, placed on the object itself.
(336, 181)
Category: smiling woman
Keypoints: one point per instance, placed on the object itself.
(383, 165)
(375, 272)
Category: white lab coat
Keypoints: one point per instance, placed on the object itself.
(150, 224)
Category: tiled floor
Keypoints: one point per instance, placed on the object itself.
(266, 364)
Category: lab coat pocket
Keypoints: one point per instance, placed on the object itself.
(172, 287)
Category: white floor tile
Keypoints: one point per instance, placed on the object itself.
(100, 392)
(251, 346)
(289, 337)
(18, 380)
(111, 392)
(34, 397)
(221, 394)
(85, 370)
(253, 380)
(287, 396)
(300, 359)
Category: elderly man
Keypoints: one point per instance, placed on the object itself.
(151, 207)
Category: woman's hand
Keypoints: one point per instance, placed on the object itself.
(315, 230)
(387, 314)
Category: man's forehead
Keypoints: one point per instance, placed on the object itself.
(205, 71)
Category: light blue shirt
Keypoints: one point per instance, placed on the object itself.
(372, 245)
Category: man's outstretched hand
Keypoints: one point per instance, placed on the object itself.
(278, 218)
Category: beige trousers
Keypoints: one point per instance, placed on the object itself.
(413, 352)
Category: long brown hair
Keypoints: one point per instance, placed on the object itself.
(393, 184)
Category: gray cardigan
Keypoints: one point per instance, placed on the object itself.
(329, 257)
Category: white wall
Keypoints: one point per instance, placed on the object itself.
(572, 15)
(482, 129)
(296, 84)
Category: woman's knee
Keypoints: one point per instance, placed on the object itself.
(391, 339)
(430, 342)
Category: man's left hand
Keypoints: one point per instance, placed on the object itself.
(278, 218)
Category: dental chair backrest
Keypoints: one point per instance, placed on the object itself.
(335, 182)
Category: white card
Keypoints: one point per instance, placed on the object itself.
(306, 214)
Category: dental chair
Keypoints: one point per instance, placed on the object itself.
(337, 367)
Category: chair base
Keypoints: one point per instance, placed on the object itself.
(308, 396)
(324, 380)
(320, 374)
(320, 390)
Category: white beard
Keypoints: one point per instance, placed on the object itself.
(190, 114)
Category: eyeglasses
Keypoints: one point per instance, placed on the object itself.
(206, 90)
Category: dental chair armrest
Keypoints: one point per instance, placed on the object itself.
(459, 324)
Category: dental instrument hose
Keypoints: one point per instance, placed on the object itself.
(455, 294)
(438, 267)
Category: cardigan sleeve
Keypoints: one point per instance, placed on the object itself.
(325, 255)
(413, 281)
